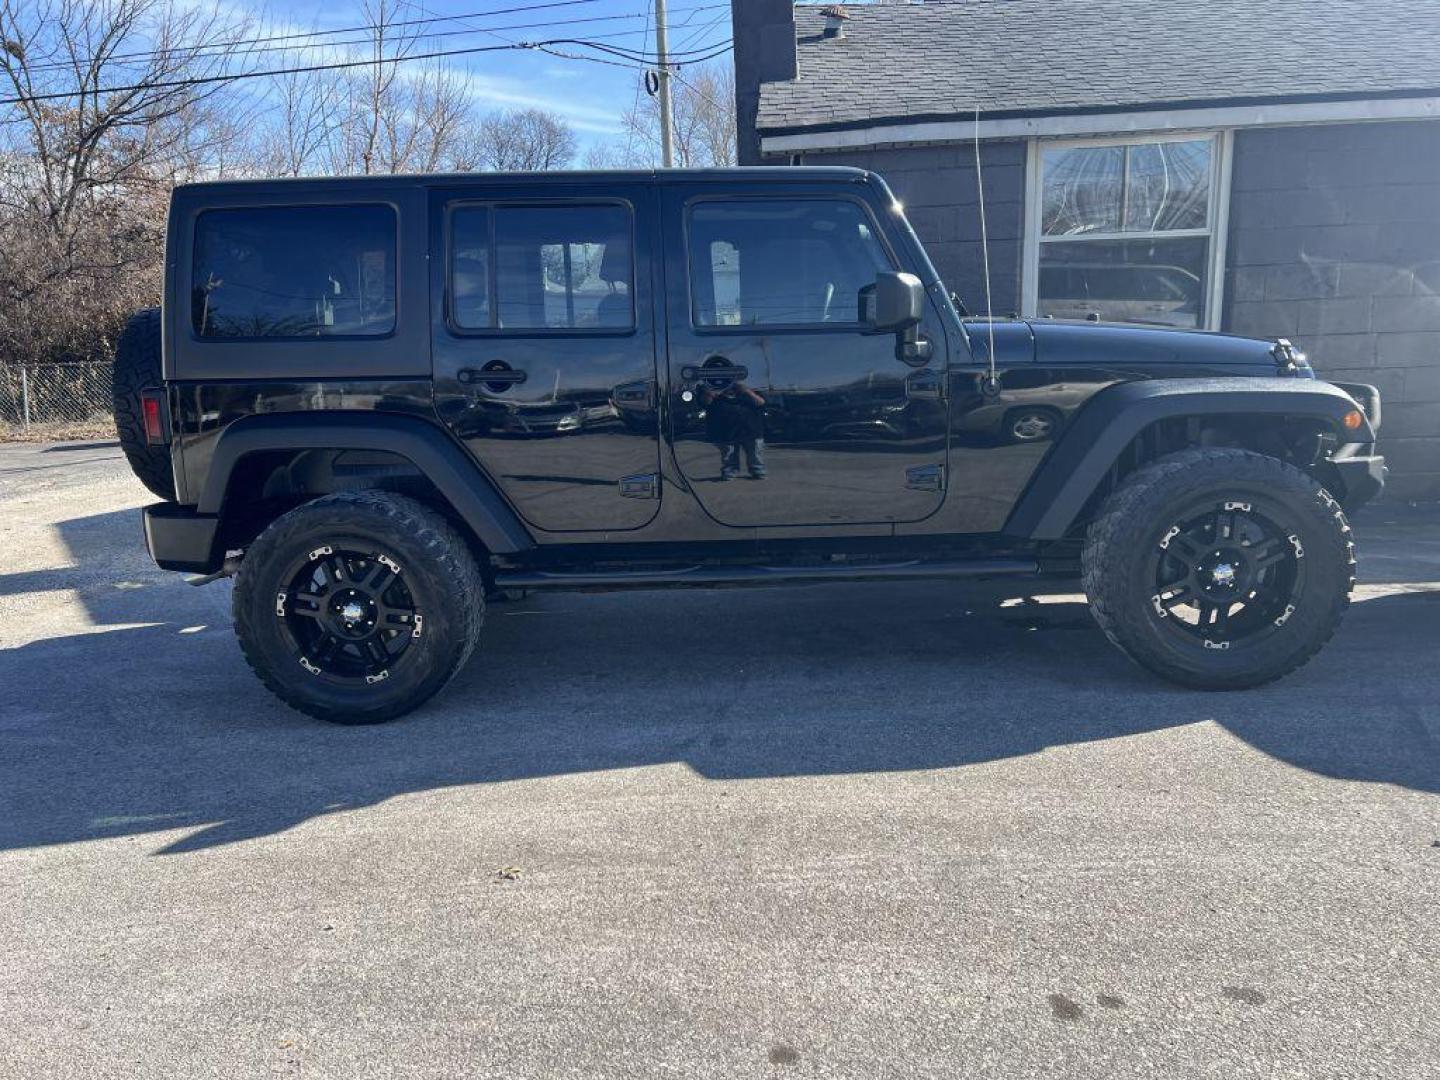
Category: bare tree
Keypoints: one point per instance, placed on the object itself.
(115, 101)
(521, 140)
(397, 115)
(703, 112)
(109, 91)
(110, 110)
(293, 137)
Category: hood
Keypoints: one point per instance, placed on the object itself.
(1094, 344)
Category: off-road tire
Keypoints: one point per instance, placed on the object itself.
(136, 367)
(1136, 518)
(437, 568)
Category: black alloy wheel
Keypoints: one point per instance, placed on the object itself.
(1219, 568)
(348, 614)
(1225, 573)
(359, 606)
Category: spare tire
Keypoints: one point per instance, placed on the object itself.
(137, 366)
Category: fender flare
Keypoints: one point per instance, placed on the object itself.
(1100, 431)
(453, 472)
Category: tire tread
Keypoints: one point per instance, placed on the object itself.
(446, 550)
(1110, 533)
(137, 367)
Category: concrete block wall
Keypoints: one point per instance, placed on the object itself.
(1334, 242)
(937, 186)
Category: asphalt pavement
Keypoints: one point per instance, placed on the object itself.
(843, 831)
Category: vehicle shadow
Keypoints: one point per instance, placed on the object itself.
(72, 447)
(156, 727)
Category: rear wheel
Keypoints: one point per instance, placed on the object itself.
(1218, 568)
(358, 607)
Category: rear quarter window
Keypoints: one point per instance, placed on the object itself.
(294, 272)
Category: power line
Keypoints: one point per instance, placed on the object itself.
(717, 50)
(630, 63)
(143, 54)
(642, 56)
(175, 84)
(496, 31)
(588, 59)
(492, 31)
(635, 105)
(221, 48)
(706, 28)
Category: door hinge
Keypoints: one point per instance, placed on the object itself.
(925, 478)
(640, 486)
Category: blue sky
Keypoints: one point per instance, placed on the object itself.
(591, 96)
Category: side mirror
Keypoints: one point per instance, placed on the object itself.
(896, 304)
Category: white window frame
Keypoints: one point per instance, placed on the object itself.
(1218, 215)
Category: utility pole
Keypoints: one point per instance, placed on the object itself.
(662, 50)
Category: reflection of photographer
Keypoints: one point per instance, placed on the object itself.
(735, 421)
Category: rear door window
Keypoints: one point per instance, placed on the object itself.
(294, 272)
(529, 268)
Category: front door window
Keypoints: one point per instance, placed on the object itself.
(787, 409)
(792, 264)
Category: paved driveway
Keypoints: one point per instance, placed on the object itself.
(858, 831)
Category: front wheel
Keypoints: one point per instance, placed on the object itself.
(1219, 569)
(358, 607)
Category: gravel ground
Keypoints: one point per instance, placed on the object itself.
(855, 831)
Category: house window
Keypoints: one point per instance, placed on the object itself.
(1126, 231)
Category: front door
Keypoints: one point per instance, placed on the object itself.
(785, 409)
(544, 348)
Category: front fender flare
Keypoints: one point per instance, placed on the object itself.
(1095, 438)
(424, 445)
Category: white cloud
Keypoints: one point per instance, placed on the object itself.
(501, 91)
(490, 90)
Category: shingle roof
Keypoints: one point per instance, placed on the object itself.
(1037, 57)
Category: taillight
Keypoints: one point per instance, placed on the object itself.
(152, 410)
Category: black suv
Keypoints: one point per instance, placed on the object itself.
(377, 402)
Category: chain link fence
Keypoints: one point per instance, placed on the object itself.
(55, 400)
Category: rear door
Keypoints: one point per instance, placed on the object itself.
(769, 298)
(544, 347)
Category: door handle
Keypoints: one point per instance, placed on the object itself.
(729, 372)
(924, 385)
(634, 395)
(494, 376)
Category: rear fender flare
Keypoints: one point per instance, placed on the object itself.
(1096, 436)
(446, 465)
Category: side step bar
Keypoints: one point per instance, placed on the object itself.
(710, 576)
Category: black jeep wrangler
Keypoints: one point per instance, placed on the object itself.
(378, 401)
